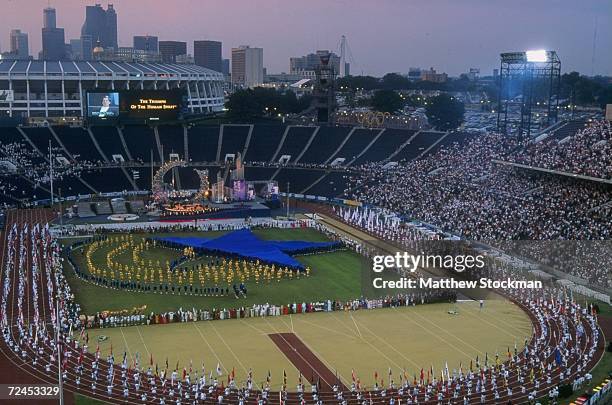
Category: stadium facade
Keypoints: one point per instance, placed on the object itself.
(58, 89)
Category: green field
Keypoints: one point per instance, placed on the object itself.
(335, 275)
(406, 338)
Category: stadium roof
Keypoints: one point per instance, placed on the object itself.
(91, 68)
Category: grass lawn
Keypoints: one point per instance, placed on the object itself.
(336, 275)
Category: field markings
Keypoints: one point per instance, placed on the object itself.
(356, 326)
(229, 348)
(260, 331)
(209, 346)
(126, 344)
(449, 333)
(349, 328)
(434, 334)
(387, 344)
(473, 314)
(143, 342)
(335, 331)
(321, 358)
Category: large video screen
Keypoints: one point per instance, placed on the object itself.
(103, 104)
(135, 105)
(152, 105)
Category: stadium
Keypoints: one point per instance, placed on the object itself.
(58, 88)
(183, 326)
(170, 237)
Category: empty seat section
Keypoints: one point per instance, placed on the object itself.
(79, 143)
(331, 185)
(324, 144)
(109, 141)
(69, 185)
(140, 140)
(171, 138)
(264, 142)
(295, 142)
(234, 138)
(385, 145)
(107, 180)
(356, 143)
(41, 137)
(258, 173)
(298, 179)
(203, 142)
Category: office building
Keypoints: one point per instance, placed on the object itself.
(53, 44)
(100, 25)
(170, 50)
(19, 44)
(208, 54)
(146, 43)
(225, 67)
(305, 66)
(247, 66)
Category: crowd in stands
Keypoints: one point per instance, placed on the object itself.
(460, 190)
(588, 152)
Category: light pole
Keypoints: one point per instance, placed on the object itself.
(287, 200)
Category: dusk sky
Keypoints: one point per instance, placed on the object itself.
(383, 35)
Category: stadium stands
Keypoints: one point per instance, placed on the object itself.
(140, 142)
(109, 141)
(171, 137)
(264, 141)
(78, 143)
(203, 142)
(328, 139)
(233, 140)
(295, 142)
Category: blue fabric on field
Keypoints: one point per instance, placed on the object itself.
(245, 244)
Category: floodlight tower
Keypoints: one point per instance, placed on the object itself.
(529, 86)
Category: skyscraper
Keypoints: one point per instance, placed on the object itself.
(53, 45)
(247, 66)
(169, 50)
(100, 25)
(49, 18)
(19, 44)
(225, 67)
(208, 54)
(146, 43)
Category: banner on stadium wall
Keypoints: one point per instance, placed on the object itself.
(609, 112)
(352, 203)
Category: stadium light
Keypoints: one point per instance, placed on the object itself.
(539, 55)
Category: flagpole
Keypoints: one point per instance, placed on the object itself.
(51, 171)
(59, 360)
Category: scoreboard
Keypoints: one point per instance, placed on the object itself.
(135, 106)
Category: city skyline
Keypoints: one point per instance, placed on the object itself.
(385, 36)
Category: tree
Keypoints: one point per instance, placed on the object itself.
(444, 112)
(386, 101)
(244, 105)
(394, 81)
